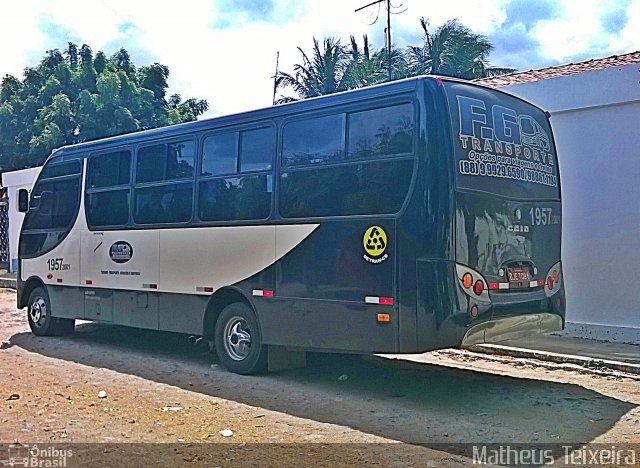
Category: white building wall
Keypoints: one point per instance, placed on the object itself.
(596, 122)
(14, 181)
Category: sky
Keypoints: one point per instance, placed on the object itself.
(224, 51)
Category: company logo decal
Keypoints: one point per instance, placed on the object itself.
(375, 243)
(121, 252)
(499, 142)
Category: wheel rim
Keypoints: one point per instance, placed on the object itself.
(38, 311)
(237, 338)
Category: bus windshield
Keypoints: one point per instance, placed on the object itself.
(502, 144)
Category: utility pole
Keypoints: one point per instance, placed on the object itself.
(387, 30)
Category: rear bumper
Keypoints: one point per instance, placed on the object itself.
(509, 328)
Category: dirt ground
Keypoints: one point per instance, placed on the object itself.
(167, 403)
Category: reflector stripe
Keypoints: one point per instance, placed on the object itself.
(59, 280)
(503, 286)
(533, 284)
(150, 286)
(494, 285)
(88, 282)
(204, 288)
(378, 300)
(262, 293)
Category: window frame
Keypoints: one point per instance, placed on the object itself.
(114, 188)
(63, 232)
(365, 105)
(270, 173)
(164, 141)
(163, 183)
(347, 110)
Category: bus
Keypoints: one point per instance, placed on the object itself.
(399, 218)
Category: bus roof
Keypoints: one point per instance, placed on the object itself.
(380, 90)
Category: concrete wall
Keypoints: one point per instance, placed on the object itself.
(14, 181)
(596, 122)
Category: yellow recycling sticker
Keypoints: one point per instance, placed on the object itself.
(375, 243)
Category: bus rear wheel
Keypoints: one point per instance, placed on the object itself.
(39, 315)
(238, 341)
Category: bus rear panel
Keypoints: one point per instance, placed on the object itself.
(507, 220)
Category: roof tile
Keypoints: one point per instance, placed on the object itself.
(561, 70)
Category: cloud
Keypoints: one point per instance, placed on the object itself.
(614, 20)
(528, 13)
(225, 50)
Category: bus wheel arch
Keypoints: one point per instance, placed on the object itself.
(29, 285)
(217, 302)
(232, 324)
(39, 314)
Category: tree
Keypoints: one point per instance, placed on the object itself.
(75, 96)
(452, 50)
(323, 73)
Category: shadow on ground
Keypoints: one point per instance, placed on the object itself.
(417, 404)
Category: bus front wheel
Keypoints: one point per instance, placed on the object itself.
(238, 341)
(39, 315)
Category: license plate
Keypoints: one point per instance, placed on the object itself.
(518, 275)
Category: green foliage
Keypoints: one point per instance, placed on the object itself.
(77, 96)
(451, 50)
(323, 73)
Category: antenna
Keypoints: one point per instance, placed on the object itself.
(275, 78)
(387, 29)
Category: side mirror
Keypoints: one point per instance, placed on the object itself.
(23, 200)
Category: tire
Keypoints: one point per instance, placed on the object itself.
(39, 315)
(238, 340)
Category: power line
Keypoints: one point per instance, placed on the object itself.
(388, 28)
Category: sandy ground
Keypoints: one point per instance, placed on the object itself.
(167, 403)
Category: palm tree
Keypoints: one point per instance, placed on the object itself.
(323, 73)
(452, 50)
(363, 69)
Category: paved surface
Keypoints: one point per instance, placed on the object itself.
(594, 349)
(7, 280)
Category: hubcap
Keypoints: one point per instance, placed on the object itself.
(237, 338)
(38, 311)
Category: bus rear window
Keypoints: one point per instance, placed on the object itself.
(501, 144)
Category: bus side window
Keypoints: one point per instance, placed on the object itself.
(236, 178)
(314, 141)
(374, 177)
(107, 189)
(382, 132)
(167, 161)
(257, 150)
(170, 198)
(54, 206)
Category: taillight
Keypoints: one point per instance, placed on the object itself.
(554, 280)
(467, 280)
(473, 284)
